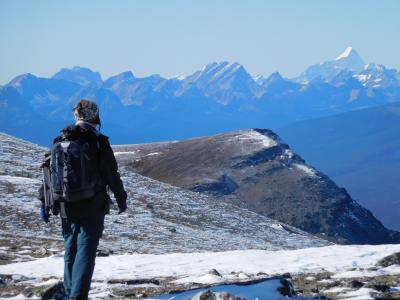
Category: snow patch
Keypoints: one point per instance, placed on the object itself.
(362, 77)
(205, 279)
(346, 53)
(195, 266)
(18, 179)
(306, 169)
(123, 153)
(258, 138)
(153, 153)
(287, 154)
(360, 294)
(277, 226)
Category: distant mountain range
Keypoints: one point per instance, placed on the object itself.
(222, 96)
(359, 150)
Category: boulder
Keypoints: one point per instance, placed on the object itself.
(393, 259)
(356, 284)
(214, 272)
(287, 288)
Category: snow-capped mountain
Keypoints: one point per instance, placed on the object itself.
(275, 84)
(378, 77)
(221, 96)
(256, 170)
(81, 76)
(225, 82)
(348, 60)
(132, 90)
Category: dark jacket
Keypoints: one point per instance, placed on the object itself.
(108, 171)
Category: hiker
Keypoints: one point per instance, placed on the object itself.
(82, 210)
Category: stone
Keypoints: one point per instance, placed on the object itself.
(287, 287)
(55, 291)
(42, 251)
(380, 287)
(393, 259)
(261, 274)
(356, 284)
(103, 252)
(214, 272)
(16, 278)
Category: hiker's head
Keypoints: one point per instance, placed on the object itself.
(87, 111)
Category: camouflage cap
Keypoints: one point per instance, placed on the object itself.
(86, 110)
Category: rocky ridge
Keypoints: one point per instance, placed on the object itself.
(256, 170)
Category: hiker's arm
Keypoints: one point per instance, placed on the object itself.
(109, 171)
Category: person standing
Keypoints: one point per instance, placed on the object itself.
(79, 191)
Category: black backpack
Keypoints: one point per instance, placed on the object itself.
(74, 169)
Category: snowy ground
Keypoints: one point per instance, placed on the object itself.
(187, 269)
(161, 245)
(343, 261)
(160, 218)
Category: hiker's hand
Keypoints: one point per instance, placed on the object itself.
(122, 207)
(44, 215)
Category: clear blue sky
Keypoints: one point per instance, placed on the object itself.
(174, 37)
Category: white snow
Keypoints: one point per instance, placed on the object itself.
(232, 265)
(287, 154)
(277, 226)
(259, 139)
(47, 282)
(204, 279)
(362, 77)
(309, 171)
(345, 53)
(119, 153)
(310, 278)
(229, 68)
(153, 153)
(194, 267)
(18, 179)
(360, 294)
(21, 297)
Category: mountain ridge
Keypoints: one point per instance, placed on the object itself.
(222, 96)
(357, 149)
(187, 222)
(256, 170)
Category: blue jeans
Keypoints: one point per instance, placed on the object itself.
(81, 238)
